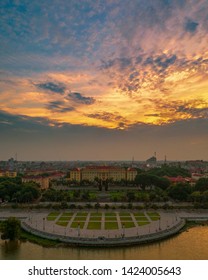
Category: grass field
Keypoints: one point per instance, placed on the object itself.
(108, 219)
(94, 225)
(143, 223)
(154, 216)
(52, 216)
(79, 219)
(77, 224)
(95, 214)
(62, 223)
(111, 225)
(64, 218)
(113, 219)
(95, 219)
(128, 224)
(67, 214)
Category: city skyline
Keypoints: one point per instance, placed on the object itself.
(103, 80)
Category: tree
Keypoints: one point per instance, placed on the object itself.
(180, 191)
(202, 184)
(196, 196)
(143, 180)
(11, 229)
(130, 196)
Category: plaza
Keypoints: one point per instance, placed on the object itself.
(104, 227)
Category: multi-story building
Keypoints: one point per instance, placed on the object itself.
(103, 173)
(8, 173)
(42, 181)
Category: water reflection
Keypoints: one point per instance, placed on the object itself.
(192, 244)
(10, 249)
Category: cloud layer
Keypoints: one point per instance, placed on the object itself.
(104, 64)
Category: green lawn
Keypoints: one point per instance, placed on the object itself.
(125, 218)
(139, 214)
(67, 214)
(52, 216)
(110, 214)
(142, 223)
(128, 224)
(94, 225)
(95, 219)
(95, 214)
(113, 219)
(77, 219)
(154, 216)
(125, 214)
(62, 223)
(76, 224)
(83, 214)
(141, 218)
(111, 225)
(110, 219)
(64, 218)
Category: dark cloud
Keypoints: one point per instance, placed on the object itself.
(191, 26)
(195, 109)
(132, 74)
(59, 106)
(22, 122)
(79, 98)
(149, 71)
(57, 88)
(152, 115)
(35, 139)
(193, 112)
(108, 117)
(120, 63)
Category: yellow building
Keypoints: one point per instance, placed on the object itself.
(42, 181)
(131, 174)
(103, 173)
(7, 173)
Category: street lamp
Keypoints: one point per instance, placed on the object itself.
(43, 223)
(123, 227)
(159, 224)
(78, 229)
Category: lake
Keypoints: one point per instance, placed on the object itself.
(188, 245)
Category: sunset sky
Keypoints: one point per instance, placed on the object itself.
(104, 79)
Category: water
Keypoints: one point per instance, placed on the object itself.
(188, 245)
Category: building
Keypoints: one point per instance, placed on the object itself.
(42, 181)
(151, 162)
(103, 173)
(8, 173)
(180, 179)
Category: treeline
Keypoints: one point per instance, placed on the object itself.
(170, 171)
(13, 190)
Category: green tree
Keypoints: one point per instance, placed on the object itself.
(196, 196)
(11, 229)
(130, 196)
(202, 184)
(180, 191)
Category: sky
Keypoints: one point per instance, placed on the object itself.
(104, 79)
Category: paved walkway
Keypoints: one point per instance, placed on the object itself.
(169, 221)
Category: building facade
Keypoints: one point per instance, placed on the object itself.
(103, 173)
(42, 181)
(8, 173)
